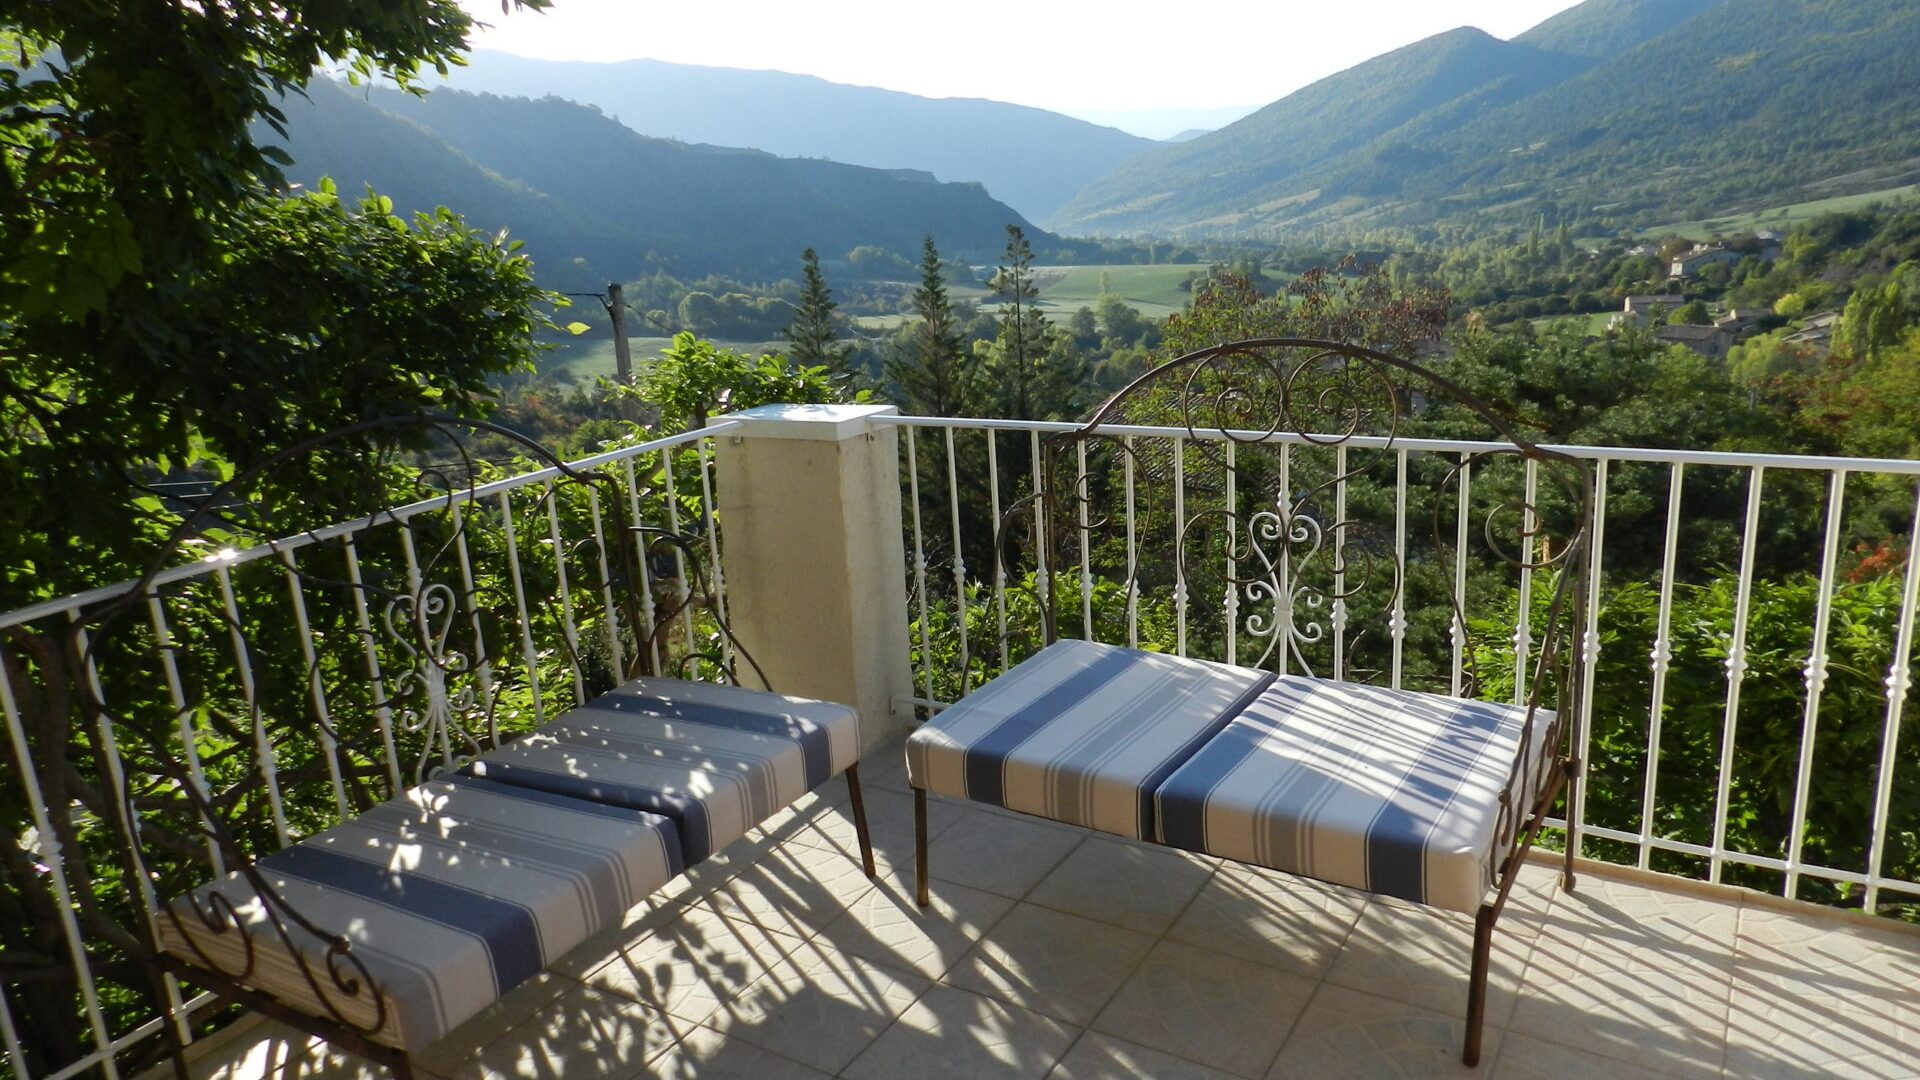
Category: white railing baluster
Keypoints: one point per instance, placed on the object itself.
(316, 687)
(606, 587)
(1816, 675)
(1529, 551)
(1397, 621)
(679, 556)
(470, 596)
(919, 566)
(528, 654)
(647, 610)
(262, 743)
(1179, 560)
(999, 572)
(189, 738)
(1589, 643)
(1459, 625)
(1283, 566)
(1133, 560)
(53, 854)
(1899, 681)
(959, 566)
(1231, 601)
(11, 1035)
(1042, 582)
(1083, 492)
(1736, 671)
(1338, 617)
(427, 656)
(713, 549)
(568, 628)
(370, 647)
(1662, 659)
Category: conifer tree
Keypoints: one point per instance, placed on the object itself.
(931, 372)
(812, 334)
(1024, 337)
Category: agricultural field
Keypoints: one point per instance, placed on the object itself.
(1781, 218)
(586, 358)
(1593, 325)
(1153, 291)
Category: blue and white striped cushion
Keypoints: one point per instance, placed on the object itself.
(717, 760)
(450, 895)
(1079, 732)
(1389, 791)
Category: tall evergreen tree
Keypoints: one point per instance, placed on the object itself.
(1035, 373)
(812, 334)
(931, 371)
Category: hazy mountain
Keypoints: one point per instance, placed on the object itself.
(594, 201)
(1630, 111)
(1032, 159)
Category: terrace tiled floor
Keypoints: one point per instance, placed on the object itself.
(1053, 952)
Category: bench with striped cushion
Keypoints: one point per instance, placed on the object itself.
(450, 895)
(717, 760)
(1390, 791)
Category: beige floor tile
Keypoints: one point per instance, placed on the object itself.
(1423, 956)
(1345, 1033)
(952, 1034)
(1058, 964)
(709, 874)
(889, 820)
(705, 1054)
(1206, 1007)
(1128, 884)
(793, 889)
(1842, 958)
(1779, 1028)
(1523, 1057)
(515, 1007)
(693, 964)
(885, 766)
(783, 825)
(819, 1006)
(1293, 923)
(584, 1033)
(1103, 1057)
(262, 1048)
(1000, 854)
(1629, 1001)
(887, 924)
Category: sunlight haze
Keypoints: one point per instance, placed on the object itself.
(1145, 67)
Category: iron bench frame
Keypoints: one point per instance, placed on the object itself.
(1332, 394)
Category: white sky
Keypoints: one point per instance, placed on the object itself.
(1073, 56)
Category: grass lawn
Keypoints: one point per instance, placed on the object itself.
(582, 360)
(1595, 324)
(1780, 218)
(1153, 291)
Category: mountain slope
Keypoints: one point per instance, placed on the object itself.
(1686, 109)
(593, 199)
(1031, 159)
(1446, 79)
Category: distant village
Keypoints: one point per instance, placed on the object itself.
(1730, 326)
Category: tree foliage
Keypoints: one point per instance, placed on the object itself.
(813, 333)
(932, 370)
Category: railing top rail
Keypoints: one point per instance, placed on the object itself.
(77, 601)
(1900, 466)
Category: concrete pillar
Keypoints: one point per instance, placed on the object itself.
(813, 554)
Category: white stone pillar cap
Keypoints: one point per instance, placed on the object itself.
(826, 423)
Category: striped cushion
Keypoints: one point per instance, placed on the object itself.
(450, 894)
(717, 760)
(1390, 791)
(1080, 733)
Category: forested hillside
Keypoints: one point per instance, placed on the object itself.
(1032, 159)
(1613, 114)
(594, 201)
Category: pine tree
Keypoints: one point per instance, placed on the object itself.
(932, 373)
(1019, 354)
(813, 336)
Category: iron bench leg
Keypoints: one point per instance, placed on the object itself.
(860, 819)
(1477, 983)
(920, 846)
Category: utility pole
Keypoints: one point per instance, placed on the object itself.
(617, 309)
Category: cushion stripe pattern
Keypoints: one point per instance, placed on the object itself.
(450, 895)
(1390, 791)
(716, 760)
(1080, 732)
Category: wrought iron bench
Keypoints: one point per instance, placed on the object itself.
(1432, 797)
(387, 863)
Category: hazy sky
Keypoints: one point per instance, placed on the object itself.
(1086, 58)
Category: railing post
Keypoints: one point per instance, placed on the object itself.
(814, 554)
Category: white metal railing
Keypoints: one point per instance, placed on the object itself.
(475, 509)
(1891, 487)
